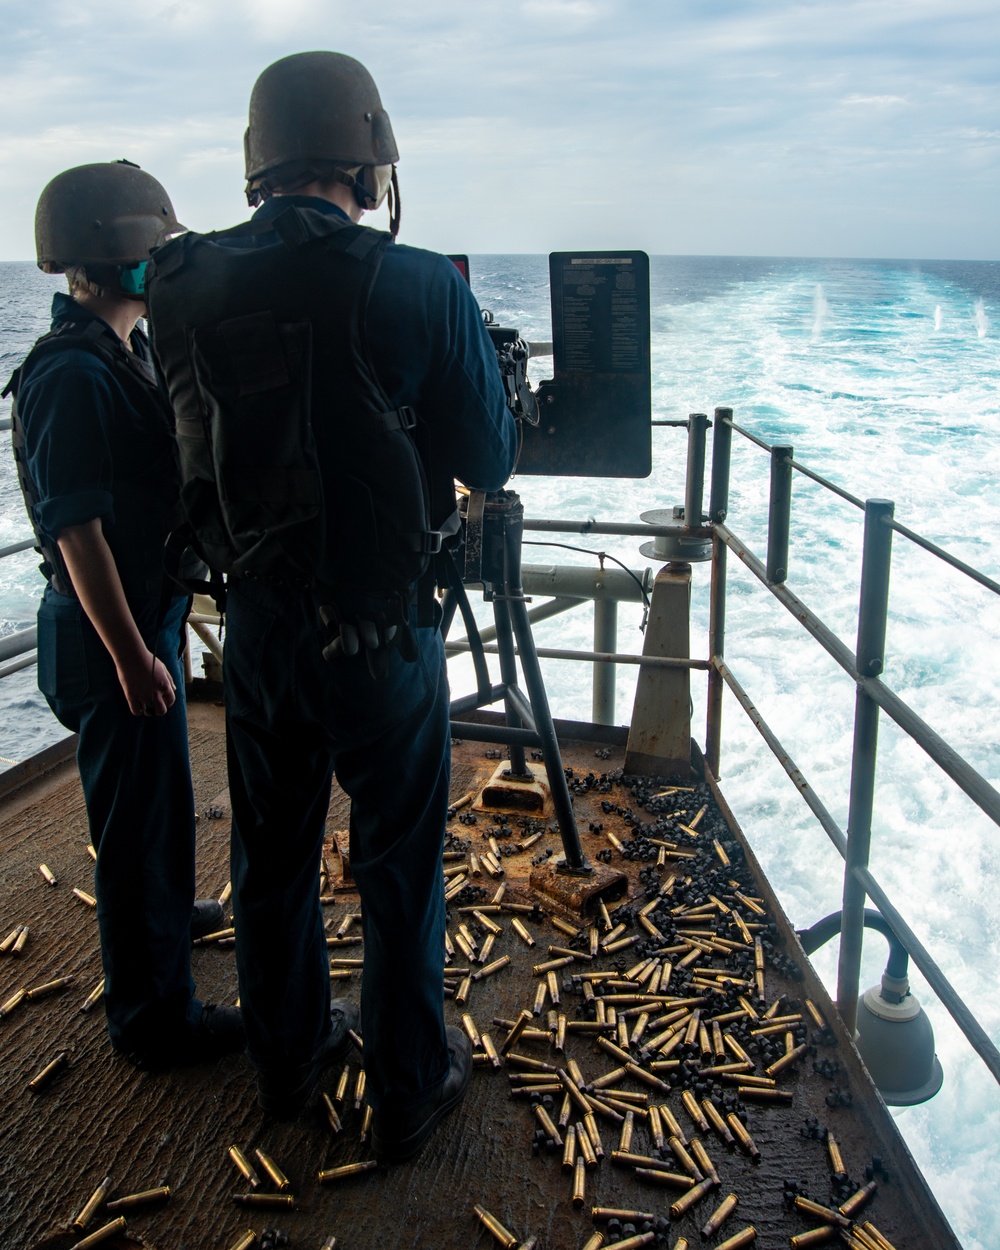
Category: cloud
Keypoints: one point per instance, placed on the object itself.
(707, 128)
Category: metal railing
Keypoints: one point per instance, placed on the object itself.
(572, 586)
(864, 666)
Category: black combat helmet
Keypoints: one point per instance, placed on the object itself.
(310, 112)
(106, 215)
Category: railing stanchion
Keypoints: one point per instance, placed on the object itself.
(779, 513)
(870, 659)
(722, 449)
(718, 507)
(605, 674)
(694, 488)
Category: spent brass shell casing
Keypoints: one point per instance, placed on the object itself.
(48, 874)
(553, 985)
(864, 1195)
(601, 1215)
(694, 1111)
(628, 1128)
(659, 1176)
(520, 1024)
(701, 1157)
(329, 1244)
(813, 1237)
(580, 1181)
(585, 1147)
(348, 1169)
(245, 1241)
(491, 1050)
(545, 1120)
(756, 1094)
(89, 1208)
(569, 1149)
(48, 1074)
(12, 1003)
(690, 1199)
(522, 932)
(244, 1167)
(20, 941)
(116, 1226)
(745, 1237)
(84, 897)
(819, 1212)
(471, 1032)
(496, 1230)
(564, 926)
(595, 1241)
(144, 1198)
(49, 987)
(716, 1121)
(359, 1089)
(684, 1159)
(489, 970)
(718, 1217)
(634, 1243)
(281, 1181)
(836, 1158)
(742, 1136)
(541, 994)
(9, 940)
(879, 1238)
(270, 1201)
(464, 990)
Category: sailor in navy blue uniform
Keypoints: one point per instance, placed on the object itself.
(97, 463)
(319, 152)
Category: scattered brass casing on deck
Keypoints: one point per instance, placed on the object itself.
(836, 1158)
(883, 1241)
(359, 1089)
(244, 1166)
(280, 1180)
(333, 1119)
(84, 897)
(742, 1136)
(16, 999)
(580, 1179)
(857, 1200)
(682, 1156)
(141, 1199)
(48, 874)
(569, 1149)
(826, 1214)
(718, 1217)
(694, 1111)
(491, 1050)
(545, 1120)
(49, 1072)
(690, 1199)
(245, 1242)
(595, 1241)
(490, 1222)
(486, 949)
(786, 1060)
(340, 1093)
(541, 994)
(101, 1235)
(89, 1208)
(701, 1157)
(813, 1237)
(744, 1237)
(462, 993)
(489, 969)
(716, 1121)
(671, 1125)
(347, 1169)
(265, 1200)
(585, 1147)
(49, 987)
(600, 1215)
(628, 1128)
(20, 941)
(553, 985)
(520, 1024)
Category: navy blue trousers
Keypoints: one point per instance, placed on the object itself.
(136, 779)
(293, 719)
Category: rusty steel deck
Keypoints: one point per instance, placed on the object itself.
(100, 1117)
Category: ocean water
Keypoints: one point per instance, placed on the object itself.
(885, 377)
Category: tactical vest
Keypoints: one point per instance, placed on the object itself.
(132, 369)
(296, 469)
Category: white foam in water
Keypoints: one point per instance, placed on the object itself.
(895, 395)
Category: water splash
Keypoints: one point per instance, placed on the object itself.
(937, 318)
(981, 319)
(820, 311)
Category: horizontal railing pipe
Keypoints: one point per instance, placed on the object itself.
(14, 548)
(593, 657)
(15, 666)
(959, 770)
(18, 642)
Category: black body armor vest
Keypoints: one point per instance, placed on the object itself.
(295, 467)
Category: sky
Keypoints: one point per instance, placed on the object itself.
(867, 128)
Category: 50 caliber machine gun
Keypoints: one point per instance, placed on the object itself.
(592, 418)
